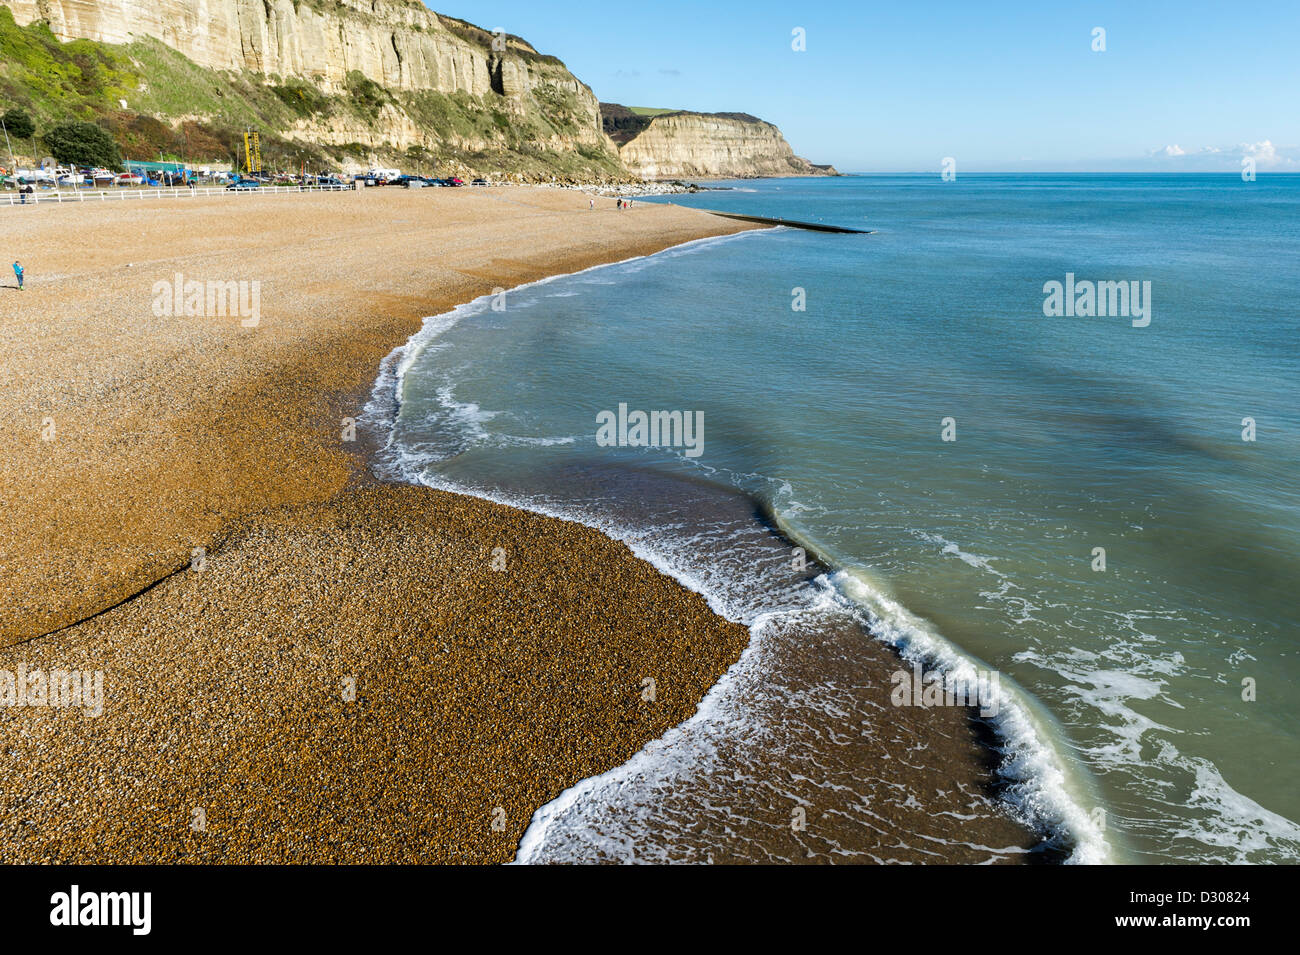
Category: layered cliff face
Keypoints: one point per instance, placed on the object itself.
(350, 82)
(683, 145)
(423, 67)
(399, 44)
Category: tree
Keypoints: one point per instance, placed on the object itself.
(19, 124)
(83, 144)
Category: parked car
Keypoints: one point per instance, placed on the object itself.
(243, 185)
(479, 182)
(453, 181)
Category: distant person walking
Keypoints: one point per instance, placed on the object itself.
(593, 204)
(18, 271)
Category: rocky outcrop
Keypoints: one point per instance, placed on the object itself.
(684, 145)
(400, 44)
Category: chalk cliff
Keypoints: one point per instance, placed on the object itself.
(358, 79)
(400, 45)
(681, 145)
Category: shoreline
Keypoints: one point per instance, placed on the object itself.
(1056, 840)
(153, 647)
(234, 370)
(191, 644)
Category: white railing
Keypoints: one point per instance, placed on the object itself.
(146, 192)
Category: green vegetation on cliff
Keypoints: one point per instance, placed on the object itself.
(157, 103)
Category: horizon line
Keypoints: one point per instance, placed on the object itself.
(1055, 172)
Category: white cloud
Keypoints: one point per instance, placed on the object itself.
(1267, 155)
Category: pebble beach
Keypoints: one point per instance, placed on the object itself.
(301, 663)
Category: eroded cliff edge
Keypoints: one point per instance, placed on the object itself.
(682, 144)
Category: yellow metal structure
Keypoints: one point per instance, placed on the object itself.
(252, 153)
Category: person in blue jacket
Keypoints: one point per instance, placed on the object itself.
(18, 271)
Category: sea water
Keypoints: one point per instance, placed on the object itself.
(1102, 509)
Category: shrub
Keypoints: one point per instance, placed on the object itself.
(19, 124)
(305, 101)
(83, 144)
(368, 95)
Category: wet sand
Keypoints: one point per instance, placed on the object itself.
(299, 665)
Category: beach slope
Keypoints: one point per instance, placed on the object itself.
(299, 663)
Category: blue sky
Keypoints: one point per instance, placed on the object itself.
(889, 86)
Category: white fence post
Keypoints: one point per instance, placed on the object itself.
(142, 193)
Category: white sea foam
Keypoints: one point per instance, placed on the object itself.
(951, 549)
(1045, 792)
(1234, 822)
(1217, 822)
(386, 398)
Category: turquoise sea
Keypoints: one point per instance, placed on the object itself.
(1149, 709)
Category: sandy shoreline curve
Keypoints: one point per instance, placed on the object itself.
(316, 668)
(161, 427)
